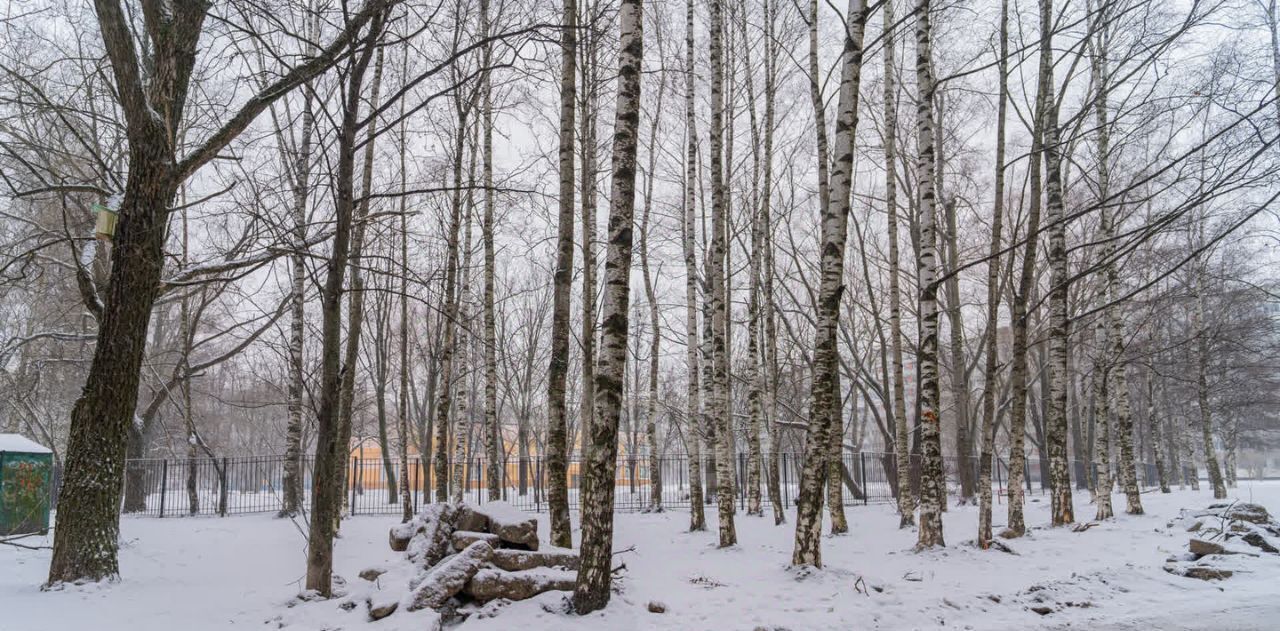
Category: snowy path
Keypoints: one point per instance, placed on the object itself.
(210, 573)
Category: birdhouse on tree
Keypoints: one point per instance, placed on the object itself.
(105, 226)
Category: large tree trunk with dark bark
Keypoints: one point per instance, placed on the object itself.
(152, 100)
(331, 444)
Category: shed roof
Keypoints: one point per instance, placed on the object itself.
(17, 443)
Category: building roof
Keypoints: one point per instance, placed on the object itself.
(17, 443)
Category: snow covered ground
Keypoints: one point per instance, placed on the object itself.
(241, 572)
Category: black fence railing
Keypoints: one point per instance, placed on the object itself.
(232, 486)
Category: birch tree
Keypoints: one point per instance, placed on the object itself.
(931, 480)
(655, 343)
(557, 374)
(717, 285)
(902, 457)
(825, 401)
(1056, 418)
(693, 414)
(991, 367)
(596, 572)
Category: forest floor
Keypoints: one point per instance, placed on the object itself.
(202, 573)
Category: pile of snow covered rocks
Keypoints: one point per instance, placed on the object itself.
(1223, 537)
(462, 555)
(459, 560)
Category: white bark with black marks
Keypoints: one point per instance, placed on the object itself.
(825, 400)
(601, 439)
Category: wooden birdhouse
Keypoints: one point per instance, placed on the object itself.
(105, 226)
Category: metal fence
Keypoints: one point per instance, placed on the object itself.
(232, 486)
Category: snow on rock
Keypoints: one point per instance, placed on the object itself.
(449, 577)
(512, 525)
(1202, 572)
(432, 541)
(463, 538)
(490, 584)
(1253, 513)
(371, 574)
(382, 607)
(470, 519)
(1259, 541)
(1200, 547)
(401, 534)
(516, 560)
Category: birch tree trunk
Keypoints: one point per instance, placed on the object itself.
(825, 401)
(693, 436)
(381, 370)
(291, 501)
(770, 367)
(1056, 420)
(1232, 440)
(990, 372)
(835, 464)
(492, 431)
(932, 482)
(819, 451)
(755, 376)
(1157, 448)
(402, 408)
(901, 449)
(462, 422)
(719, 403)
(1189, 473)
(449, 343)
(188, 416)
(651, 400)
(1114, 339)
(588, 103)
(596, 572)
(557, 373)
(1026, 285)
(1202, 387)
(1120, 387)
(959, 374)
(1102, 416)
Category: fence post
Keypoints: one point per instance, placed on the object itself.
(420, 474)
(164, 484)
(866, 487)
(222, 489)
(355, 468)
(999, 483)
(786, 484)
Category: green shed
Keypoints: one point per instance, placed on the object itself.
(25, 476)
